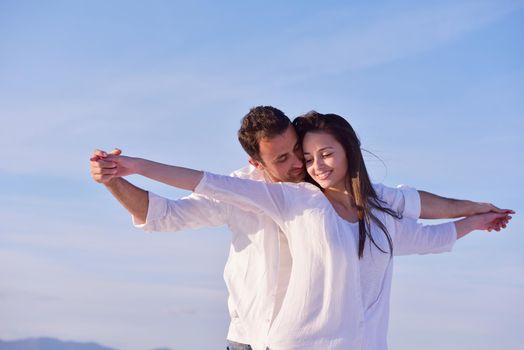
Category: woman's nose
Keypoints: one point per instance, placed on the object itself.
(318, 163)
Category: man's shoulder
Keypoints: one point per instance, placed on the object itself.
(249, 172)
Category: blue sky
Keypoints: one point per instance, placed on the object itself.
(435, 89)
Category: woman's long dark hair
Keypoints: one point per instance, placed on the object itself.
(360, 187)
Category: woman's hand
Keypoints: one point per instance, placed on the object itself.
(123, 165)
(490, 221)
(105, 167)
(102, 170)
(483, 222)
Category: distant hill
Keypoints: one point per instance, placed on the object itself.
(52, 344)
(49, 344)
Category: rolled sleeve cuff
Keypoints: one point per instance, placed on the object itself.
(412, 207)
(202, 185)
(156, 209)
(450, 238)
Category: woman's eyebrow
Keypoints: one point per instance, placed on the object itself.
(320, 150)
(325, 148)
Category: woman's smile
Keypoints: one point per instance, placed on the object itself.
(322, 175)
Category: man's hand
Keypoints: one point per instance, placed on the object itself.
(482, 208)
(106, 170)
(103, 170)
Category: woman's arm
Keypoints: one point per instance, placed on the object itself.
(255, 196)
(410, 237)
(183, 178)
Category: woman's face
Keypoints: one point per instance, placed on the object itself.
(325, 159)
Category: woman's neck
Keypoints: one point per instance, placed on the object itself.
(343, 203)
(338, 196)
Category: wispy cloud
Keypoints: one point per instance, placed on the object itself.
(383, 37)
(116, 110)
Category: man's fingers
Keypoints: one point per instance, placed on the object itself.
(111, 171)
(495, 209)
(98, 172)
(99, 153)
(505, 211)
(102, 169)
(112, 157)
(101, 163)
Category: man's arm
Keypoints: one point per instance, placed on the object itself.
(151, 212)
(436, 207)
(133, 198)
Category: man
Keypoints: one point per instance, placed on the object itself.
(257, 270)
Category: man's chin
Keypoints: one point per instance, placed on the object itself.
(296, 178)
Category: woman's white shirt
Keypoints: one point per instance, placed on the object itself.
(259, 263)
(333, 299)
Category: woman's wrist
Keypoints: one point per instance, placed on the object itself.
(464, 226)
(138, 166)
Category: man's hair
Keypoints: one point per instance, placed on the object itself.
(261, 122)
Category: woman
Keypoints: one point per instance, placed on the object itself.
(341, 237)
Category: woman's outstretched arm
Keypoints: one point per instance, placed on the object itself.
(184, 178)
(254, 196)
(411, 237)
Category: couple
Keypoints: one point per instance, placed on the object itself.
(310, 263)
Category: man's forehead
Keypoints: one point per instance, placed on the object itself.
(281, 143)
(278, 141)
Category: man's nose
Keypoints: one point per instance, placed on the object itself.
(298, 161)
(299, 155)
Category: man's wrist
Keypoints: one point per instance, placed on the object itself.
(466, 207)
(113, 183)
(481, 208)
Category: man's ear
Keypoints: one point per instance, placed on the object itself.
(257, 164)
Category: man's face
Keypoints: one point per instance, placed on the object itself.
(282, 159)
